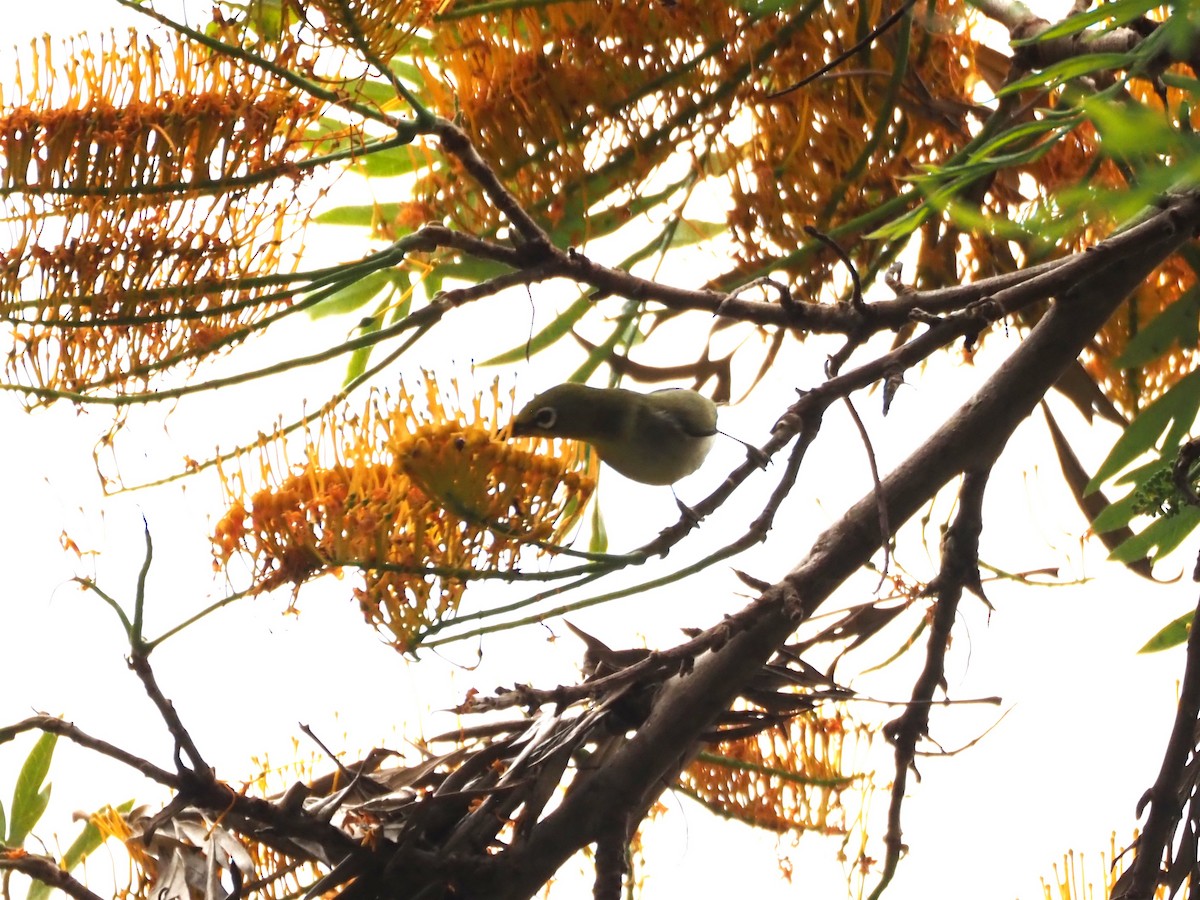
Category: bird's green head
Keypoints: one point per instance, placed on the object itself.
(566, 411)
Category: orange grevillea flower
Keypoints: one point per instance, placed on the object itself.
(377, 27)
(578, 103)
(785, 779)
(150, 194)
(419, 496)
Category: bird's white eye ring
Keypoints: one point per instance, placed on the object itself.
(545, 417)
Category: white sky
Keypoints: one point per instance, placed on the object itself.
(1086, 720)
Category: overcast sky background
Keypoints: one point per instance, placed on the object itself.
(1086, 716)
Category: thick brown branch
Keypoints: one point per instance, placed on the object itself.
(1174, 783)
(649, 761)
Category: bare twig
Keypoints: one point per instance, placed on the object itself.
(960, 567)
(54, 725)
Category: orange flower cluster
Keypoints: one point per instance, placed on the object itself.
(576, 103)
(115, 823)
(785, 779)
(842, 145)
(1133, 387)
(1076, 162)
(147, 187)
(381, 27)
(420, 497)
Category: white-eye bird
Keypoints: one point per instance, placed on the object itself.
(654, 438)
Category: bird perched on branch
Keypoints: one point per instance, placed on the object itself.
(655, 438)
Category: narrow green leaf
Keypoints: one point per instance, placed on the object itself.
(1171, 635)
(693, 231)
(560, 326)
(902, 649)
(1174, 410)
(624, 332)
(599, 539)
(324, 129)
(1183, 82)
(935, 198)
(975, 220)
(1160, 537)
(1024, 131)
(470, 269)
(372, 323)
(393, 162)
(1178, 324)
(353, 296)
(379, 93)
(1134, 130)
(363, 215)
(1066, 70)
(409, 73)
(1117, 514)
(29, 799)
(1113, 15)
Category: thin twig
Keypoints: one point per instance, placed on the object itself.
(845, 55)
(960, 553)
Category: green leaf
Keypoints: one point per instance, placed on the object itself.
(380, 93)
(363, 215)
(372, 323)
(354, 295)
(1178, 324)
(1113, 14)
(599, 539)
(410, 74)
(1068, 69)
(624, 332)
(393, 161)
(1172, 635)
(1025, 131)
(974, 219)
(560, 326)
(89, 840)
(935, 198)
(1117, 514)
(1134, 130)
(693, 231)
(1175, 80)
(328, 134)
(1160, 537)
(470, 269)
(29, 797)
(1173, 414)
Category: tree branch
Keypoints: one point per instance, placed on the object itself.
(649, 761)
(1176, 780)
(960, 567)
